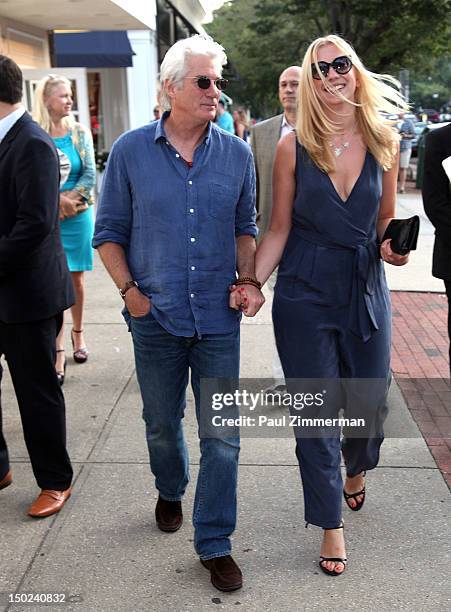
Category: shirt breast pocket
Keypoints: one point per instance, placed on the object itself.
(222, 202)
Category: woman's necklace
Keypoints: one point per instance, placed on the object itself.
(341, 148)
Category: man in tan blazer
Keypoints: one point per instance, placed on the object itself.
(264, 139)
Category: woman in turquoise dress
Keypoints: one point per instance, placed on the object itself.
(53, 106)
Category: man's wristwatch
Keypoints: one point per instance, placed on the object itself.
(128, 285)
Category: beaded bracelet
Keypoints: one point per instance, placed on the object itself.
(248, 280)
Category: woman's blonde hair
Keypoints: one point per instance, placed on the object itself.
(43, 90)
(374, 96)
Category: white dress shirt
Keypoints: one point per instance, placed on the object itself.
(7, 122)
(286, 127)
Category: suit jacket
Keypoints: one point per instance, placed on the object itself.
(437, 198)
(264, 139)
(35, 282)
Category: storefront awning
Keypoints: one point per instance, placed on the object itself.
(109, 49)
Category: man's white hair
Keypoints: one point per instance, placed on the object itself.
(175, 64)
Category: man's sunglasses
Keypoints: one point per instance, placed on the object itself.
(204, 82)
(341, 65)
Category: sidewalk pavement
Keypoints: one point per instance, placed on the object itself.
(417, 275)
(105, 552)
(420, 360)
(420, 366)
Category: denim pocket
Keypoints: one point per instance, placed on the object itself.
(146, 317)
(128, 318)
(126, 315)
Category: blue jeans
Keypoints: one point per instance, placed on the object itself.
(162, 366)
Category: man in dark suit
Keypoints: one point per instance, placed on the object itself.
(35, 289)
(437, 205)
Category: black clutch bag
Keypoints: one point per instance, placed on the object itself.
(403, 234)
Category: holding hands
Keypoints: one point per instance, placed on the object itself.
(246, 297)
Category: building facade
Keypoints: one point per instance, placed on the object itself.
(109, 98)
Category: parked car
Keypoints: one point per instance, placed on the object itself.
(431, 114)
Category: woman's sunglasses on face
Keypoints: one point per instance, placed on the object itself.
(341, 65)
(204, 82)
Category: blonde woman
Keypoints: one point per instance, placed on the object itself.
(53, 106)
(334, 195)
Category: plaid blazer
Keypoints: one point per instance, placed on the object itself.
(264, 138)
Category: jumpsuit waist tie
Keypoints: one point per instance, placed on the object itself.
(362, 319)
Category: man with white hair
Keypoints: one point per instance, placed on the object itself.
(176, 222)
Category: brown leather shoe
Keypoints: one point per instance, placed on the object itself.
(225, 573)
(169, 515)
(48, 502)
(7, 480)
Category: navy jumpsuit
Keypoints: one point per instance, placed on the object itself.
(332, 318)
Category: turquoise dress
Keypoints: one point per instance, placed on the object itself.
(76, 232)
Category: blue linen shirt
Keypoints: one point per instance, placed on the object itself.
(178, 224)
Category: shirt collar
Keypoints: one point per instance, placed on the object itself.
(160, 131)
(285, 123)
(7, 122)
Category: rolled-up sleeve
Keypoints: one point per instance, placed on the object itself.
(87, 180)
(245, 211)
(114, 215)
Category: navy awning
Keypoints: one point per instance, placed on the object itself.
(105, 49)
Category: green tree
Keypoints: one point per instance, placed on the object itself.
(432, 88)
(263, 37)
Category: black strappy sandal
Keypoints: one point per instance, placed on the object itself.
(341, 560)
(354, 496)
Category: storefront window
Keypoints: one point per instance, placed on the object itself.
(181, 29)
(171, 27)
(95, 113)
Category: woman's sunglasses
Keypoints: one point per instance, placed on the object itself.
(204, 82)
(341, 65)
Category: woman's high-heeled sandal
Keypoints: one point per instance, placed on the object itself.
(354, 496)
(61, 375)
(341, 560)
(81, 354)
